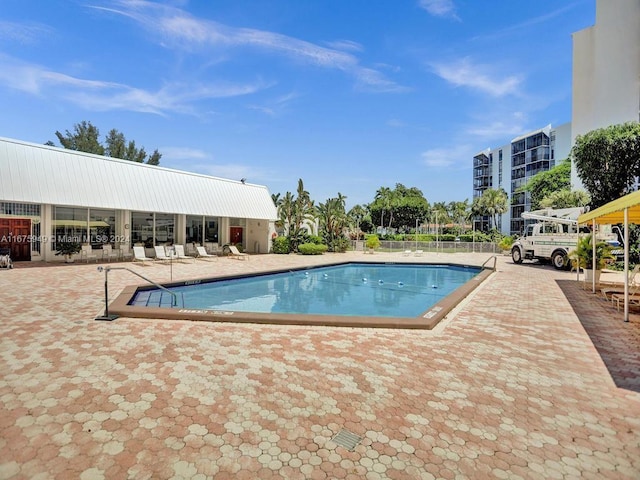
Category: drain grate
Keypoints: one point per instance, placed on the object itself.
(347, 439)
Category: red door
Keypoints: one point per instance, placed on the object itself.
(235, 234)
(15, 235)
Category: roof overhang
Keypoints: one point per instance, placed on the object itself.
(613, 212)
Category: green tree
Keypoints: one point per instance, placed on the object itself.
(86, 138)
(333, 220)
(565, 199)
(402, 206)
(545, 183)
(459, 212)
(356, 216)
(492, 203)
(608, 161)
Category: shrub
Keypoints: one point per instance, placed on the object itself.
(373, 242)
(281, 245)
(314, 239)
(311, 249)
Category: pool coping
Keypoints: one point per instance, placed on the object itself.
(425, 321)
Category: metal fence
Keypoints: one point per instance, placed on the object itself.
(441, 247)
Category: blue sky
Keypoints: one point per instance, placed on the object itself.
(349, 95)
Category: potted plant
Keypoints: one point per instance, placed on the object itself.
(68, 249)
(582, 257)
(372, 243)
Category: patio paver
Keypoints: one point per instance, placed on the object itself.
(531, 377)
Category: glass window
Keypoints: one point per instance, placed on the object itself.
(102, 227)
(194, 229)
(211, 229)
(69, 225)
(142, 228)
(165, 226)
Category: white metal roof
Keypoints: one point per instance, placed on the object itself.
(33, 173)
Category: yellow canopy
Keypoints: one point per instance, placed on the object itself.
(613, 212)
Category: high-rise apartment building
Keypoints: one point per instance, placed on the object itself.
(511, 166)
(605, 91)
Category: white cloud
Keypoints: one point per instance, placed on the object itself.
(346, 45)
(184, 153)
(25, 33)
(456, 156)
(440, 8)
(105, 96)
(464, 73)
(176, 27)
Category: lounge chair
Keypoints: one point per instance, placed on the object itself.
(108, 253)
(237, 254)
(140, 256)
(612, 288)
(179, 253)
(202, 253)
(406, 253)
(419, 253)
(634, 299)
(86, 253)
(161, 254)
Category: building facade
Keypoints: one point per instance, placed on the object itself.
(606, 70)
(511, 166)
(50, 195)
(605, 91)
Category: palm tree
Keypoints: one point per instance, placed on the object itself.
(286, 212)
(356, 215)
(494, 202)
(333, 220)
(383, 197)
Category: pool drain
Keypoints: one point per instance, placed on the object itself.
(347, 439)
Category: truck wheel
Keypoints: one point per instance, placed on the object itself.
(516, 255)
(559, 260)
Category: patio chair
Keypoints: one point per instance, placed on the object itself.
(140, 256)
(406, 253)
(237, 254)
(161, 254)
(108, 253)
(86, 253)
(179, 253)
(613, 288)
(419, 253)
(202, 253)
(634, 299)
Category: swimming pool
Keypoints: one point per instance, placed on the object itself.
(348, 294)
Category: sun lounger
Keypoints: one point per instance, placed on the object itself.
(161, 254)
(613, 288)
(202, 253)
(140, 256)
(419, 253)
(406, 253)
(237, 254)
(617, 298)
(179, 253)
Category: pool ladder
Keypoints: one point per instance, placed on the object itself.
(495, 259)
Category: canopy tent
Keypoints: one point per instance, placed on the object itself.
(624, 210)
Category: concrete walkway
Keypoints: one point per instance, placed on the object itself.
(531, 377)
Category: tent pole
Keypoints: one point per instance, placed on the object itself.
(626, 264)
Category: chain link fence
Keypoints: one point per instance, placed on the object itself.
(440, 247)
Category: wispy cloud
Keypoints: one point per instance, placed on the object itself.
(518, 27)
(177, 28)
(487, 130)
(26, 33)
(440, 8)
(345, 45)
(104, 96)
(457, 156)
(275, 107)
(464, 73)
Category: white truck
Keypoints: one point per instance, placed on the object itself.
(554, 236)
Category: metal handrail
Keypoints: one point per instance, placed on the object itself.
(495, 260)
(106, 316)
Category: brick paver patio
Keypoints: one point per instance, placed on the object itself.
(532, 377)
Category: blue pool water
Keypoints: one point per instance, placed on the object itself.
(379, 290)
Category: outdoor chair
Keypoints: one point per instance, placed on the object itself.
(237, 254)
(179, 253)
(108, 253)
(161, 254)
(202, 253)
(86, 253)
(140, 256)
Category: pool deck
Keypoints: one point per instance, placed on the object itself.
(531, 377)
